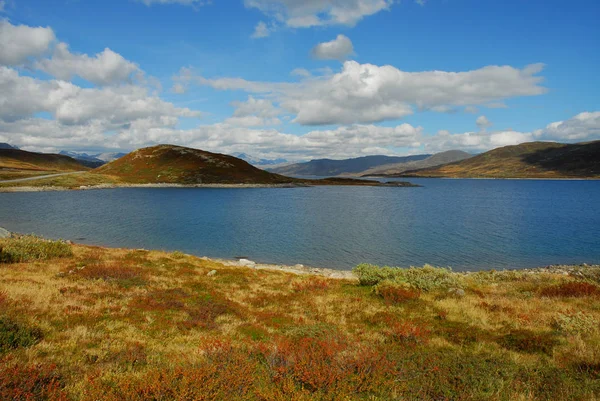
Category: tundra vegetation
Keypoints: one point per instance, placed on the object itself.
(89, 323)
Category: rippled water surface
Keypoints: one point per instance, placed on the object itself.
(465, 224)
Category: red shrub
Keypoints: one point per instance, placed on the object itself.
(311, 284)
(409, 333)
(397, 294)
(571, 289)
(32, 382)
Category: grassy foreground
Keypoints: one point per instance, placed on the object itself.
(89, 323)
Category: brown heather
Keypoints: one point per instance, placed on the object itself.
(115, 324)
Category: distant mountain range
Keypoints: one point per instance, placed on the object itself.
(92, 160)
(7, 146)
(527, 160)
(329, 167)
(259, 162)
(437, 159)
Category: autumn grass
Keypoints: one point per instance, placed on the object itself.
(115, 324)
(71, 181)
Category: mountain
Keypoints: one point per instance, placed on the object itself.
(92, 160)
(259, 162)
(7, 146)
(108, 157)
(527, 160)
(22, 160)
(84, 158)
(328, 167)
(437, 159)
(181, 165)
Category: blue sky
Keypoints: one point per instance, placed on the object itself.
(204, 75)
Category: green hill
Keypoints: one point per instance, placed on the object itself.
(527, 160)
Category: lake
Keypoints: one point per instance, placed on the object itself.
(464, 224)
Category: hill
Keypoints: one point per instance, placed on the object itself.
(527, 160)
(22, 160)
(389, 170)
(4, 145)
(181, 165)
(329, 167)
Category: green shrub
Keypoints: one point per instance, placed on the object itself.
(424, 278)
(30, 248)
(15, 335)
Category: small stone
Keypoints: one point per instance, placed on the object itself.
(211, 273)
(4, 233)
(299, 266)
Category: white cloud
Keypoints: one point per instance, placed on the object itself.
(307, 13)
(583, 126)
(367, 93)
(104, 68)
(254, 113)
(20, 42)
(300, 72)
(338, 49)
(22, 97)
(261, 31)
(483, 123)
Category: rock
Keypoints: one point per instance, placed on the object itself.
(458, 292)
(246, 262)
(211, 273)
(4, 233)
(299, 266)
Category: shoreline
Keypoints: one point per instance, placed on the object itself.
(165, 185)
(300, 269)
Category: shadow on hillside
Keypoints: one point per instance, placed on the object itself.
(572, 160)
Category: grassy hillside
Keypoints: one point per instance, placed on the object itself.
(89, 323)
(328, 167)
(528, 160)
(23, 160)
(177, 164)
(390, 170)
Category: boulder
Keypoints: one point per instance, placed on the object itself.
(211, 273)
(246, 263)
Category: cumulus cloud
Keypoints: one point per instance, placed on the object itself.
(18, 43)
(583, 126)
(367, 93)
(483, 123)
(23, 97)
(254, 113)
(104, 68)
(338, 49)
(304, 14)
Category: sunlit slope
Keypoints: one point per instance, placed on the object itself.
(527, 160)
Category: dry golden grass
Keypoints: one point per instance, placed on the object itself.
(114, 324)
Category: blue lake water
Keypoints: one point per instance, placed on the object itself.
(464, 224)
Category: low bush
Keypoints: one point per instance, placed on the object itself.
(311, 284)
(575, 323)
(395, 293)
(424, 278)
(571, 289)
(15, 335)
(32, 382)
(529, 342)
(30, 248)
